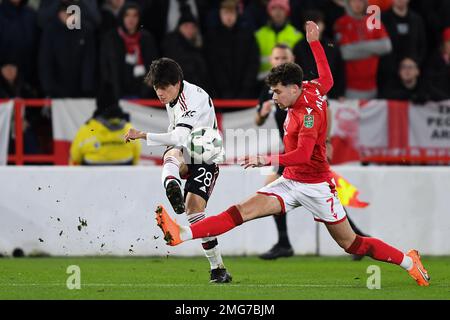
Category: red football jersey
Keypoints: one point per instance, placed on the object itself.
(308, 119)
(305, 128)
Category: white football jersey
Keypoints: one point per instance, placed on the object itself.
(193, 109)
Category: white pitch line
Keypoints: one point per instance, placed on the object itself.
(168, 285)
(180, 285)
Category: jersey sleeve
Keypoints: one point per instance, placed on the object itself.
(311, 125)
(325, 81)
(307, 139)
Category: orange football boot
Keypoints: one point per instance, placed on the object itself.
(169, 227)
(418, 272)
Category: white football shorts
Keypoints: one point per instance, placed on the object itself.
(320, 199)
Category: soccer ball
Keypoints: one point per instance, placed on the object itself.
(205, 145)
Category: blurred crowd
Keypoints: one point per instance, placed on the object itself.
(222, 46)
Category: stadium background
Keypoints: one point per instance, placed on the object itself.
(396, 152)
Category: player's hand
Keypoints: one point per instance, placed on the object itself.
(266, 108)
(254, 161)
(312, 31)
(134, 134)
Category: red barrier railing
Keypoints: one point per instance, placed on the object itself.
(19, 158)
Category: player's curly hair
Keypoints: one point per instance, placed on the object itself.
(286, 74)
(164, 72)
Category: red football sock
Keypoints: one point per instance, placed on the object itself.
(376, 249)
(215, 225)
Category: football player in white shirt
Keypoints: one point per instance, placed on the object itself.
(188, 107)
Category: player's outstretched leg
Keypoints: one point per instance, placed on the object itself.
(343, 234)
(256, 207)
(171, 180)
(174, 234)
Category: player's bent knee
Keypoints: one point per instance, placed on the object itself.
(174, 152)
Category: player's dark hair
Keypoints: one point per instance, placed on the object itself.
(286, 74)
(164, 72)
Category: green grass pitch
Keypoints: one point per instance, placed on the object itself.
(161, 278)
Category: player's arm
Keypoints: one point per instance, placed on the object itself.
(174, 138)
(302, 154)
(329, 146)
(325, 80)
(263, 112)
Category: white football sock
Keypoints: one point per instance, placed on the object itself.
(407, 263)
(171, 168)
(185, 233)
(213, 254)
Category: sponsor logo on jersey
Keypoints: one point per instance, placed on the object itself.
(309, 110)
(188, 114)
(203, 189)
(308, 121)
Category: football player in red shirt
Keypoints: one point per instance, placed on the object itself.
(307, 180)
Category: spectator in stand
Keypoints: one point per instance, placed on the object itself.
(91, 17)
(305, 59)
(254, 14)
(332, 10)
(184, 46)
(18, 36)
(277, 30)
(67, 58)
(232, 56)
(411, 86)
(13, 85)
(100, 140)
(438, 66)
(162, 16)
(361, 49)
(125, 54)
(407, 32)
(110, 15)
(436, 14)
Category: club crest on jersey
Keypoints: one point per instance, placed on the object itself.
(308, 121)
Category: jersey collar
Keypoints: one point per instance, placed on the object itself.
(174, 102)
